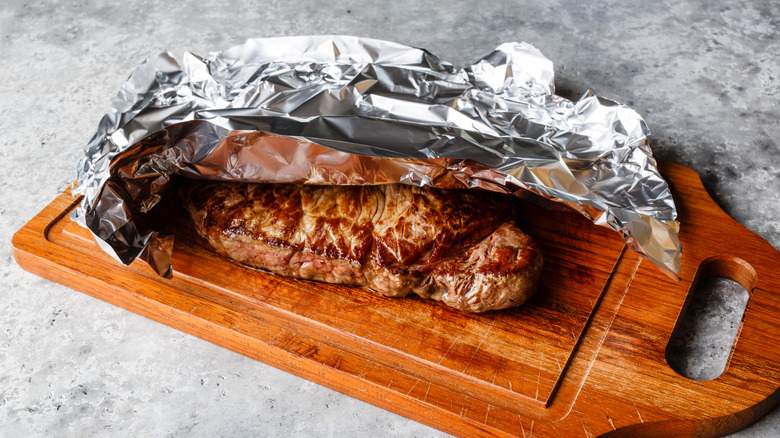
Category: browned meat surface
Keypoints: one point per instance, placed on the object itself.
(457, 246)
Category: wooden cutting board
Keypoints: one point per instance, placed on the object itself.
(584, 357)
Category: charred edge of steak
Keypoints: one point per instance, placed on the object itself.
(460, 247)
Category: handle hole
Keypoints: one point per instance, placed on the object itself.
(709, 323)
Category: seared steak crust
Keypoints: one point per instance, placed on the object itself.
(457, 246)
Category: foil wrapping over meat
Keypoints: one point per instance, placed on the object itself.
(348, 110)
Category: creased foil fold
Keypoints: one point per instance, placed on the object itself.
(347, 110)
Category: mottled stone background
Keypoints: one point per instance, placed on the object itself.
(703, 74)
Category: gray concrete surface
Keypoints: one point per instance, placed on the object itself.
(705, 75)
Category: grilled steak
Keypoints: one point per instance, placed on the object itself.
(457, 246)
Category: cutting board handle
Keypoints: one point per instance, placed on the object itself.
(714, 245)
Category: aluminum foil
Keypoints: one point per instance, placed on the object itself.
(347, 110)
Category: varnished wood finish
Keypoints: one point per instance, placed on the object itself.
(584, 357)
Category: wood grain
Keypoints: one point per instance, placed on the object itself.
(584, 357)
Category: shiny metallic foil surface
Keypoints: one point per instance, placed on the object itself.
(348, 110)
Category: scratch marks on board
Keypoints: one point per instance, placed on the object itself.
(588, 433)
(335, 362)
(637, 413)
(310, 351)
(449, 347)
(387, 339)
(595, 404)
(476, 350)
(413, 386)
(560, 368)
(530, 433)
(425, 397)
(487, 414)
(392, 379)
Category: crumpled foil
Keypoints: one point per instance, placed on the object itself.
(347, 110)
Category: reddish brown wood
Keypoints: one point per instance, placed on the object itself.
(584, 357)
